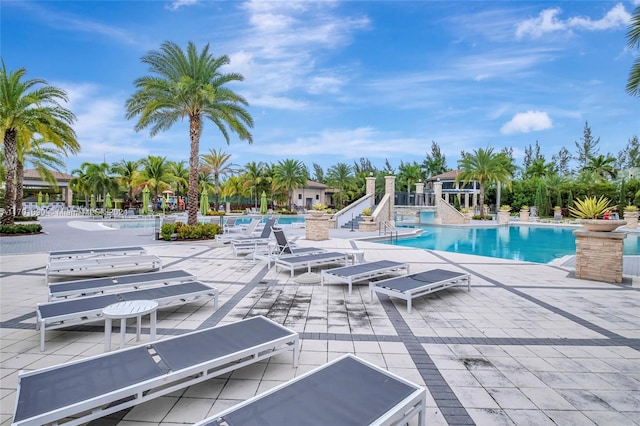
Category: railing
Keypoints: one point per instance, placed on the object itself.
(387, 227)
(354, 209)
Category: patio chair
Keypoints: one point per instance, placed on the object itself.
(230, 225)
(284, 248)
(420, 284)
(96, 252)
(293, 262)
(100, 285)
(347, 392)
(264, 234)
(82, 310)
(110, 263)
(247, 231)
(363, 271)
(94, 387)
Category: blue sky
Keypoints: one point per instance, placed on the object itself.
(333, 81)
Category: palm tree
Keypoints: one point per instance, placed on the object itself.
(28, 107)
(253, 176)
(410, 174)
(340, 176)
(290, 174)
(180, 172)
(98, 179)
(219, 165)
(602, 166)
(156, 174)
(189, 85)
(43, 158)
(539, 169)
(232, 187)
(127, 174)
(633, 36)
(483, 165)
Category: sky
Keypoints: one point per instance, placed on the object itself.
(335, 81)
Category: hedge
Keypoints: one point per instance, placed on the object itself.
(182, 231)
(30, 228)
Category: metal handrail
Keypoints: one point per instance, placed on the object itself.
(388, 226)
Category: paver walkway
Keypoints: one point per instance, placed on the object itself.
(527, 345)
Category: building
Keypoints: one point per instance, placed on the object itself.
(467, 194)
(33, 184)
(313, 193)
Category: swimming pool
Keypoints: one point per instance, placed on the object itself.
(539, 244)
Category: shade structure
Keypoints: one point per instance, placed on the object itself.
(263, 203)
(92, 204)
(204, 202)
(145, 200)
(107, 202)
(40, 199)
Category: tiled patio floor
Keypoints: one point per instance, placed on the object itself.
(528, 345)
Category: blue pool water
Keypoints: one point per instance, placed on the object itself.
(539, 244)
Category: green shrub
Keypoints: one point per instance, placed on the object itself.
(201, 231)
(25, 218)
(27, 228)
(215, 213)
(287, 212)
(481, 217)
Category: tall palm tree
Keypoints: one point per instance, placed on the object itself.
(340, 176)
(28, 107)
(127, 174)
(409, 175)
(233, 187)
(189, 85)
(253, 176)
(290, 174)
(483, 165)
(156, 174)
(219, 165)
(633, 42)
(602, 166)
(180, 172)
(98, 179)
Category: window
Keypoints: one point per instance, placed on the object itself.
(317, 197)
(299, 196)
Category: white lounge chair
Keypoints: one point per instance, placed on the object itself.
(420, 284)
(293, 262)
(96, 252)
(99, 285)
(247, 231)
(363, 271)
(284, 248)
(110, 263)
(94, 387)
(347, 392)
(82, 310)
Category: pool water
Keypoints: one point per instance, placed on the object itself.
(539, 244)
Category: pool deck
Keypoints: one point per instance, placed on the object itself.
(528, 345)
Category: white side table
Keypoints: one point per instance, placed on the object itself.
(356, 256)
(130, 309)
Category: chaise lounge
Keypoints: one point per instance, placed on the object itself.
(81, 310)
(420, 284)
(85, 253)
(347, 392)
(94, 387)
(363, 272)
(63, 267)
(293, 262)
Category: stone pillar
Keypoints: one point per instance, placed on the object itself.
(503, 217)
(390, 188)
(420, 193)
(317, 228)
(68, 196)
(599, 255)
(437, 191)
(371, 188)
(466, 200)
(632, 219)
(227, 207)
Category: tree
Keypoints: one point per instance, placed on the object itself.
(601, 166)
(290, 174)
(531, 154)
(633, 42)
(254, 175)
(408, 175)
(587, 148)
(218, 163)
(561, 161)
(156, 174)
(435, 163)
(630, 156)
(483, 166)
(180, 172)
(539, 169)
(340, 176)
(189, 85)
(318, 173)
(232, 187)
(127, 174)
(29, 107)
(97, 177)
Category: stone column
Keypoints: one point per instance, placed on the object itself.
(466, 200)
(317, 228)
(420, 193)
(503, 217)
(371, 188)
(599, 255)
(437, 192)
(390, 188)
(632, 219)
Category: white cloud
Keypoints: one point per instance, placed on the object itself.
(525, 122)
(177, 4)
(548, 21)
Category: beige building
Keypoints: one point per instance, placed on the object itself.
(314, 192)
(33, 184)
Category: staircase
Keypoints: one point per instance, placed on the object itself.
(353, 223)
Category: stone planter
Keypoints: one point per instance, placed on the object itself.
(599, 255)
(367, 218)
(557, 215)
(503, 217)
(600, 225)
(524, 215)
(632, 219)
(317, 213)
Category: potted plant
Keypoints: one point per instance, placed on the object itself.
(366, 214)
(557, 213)
(319, 209)
(591, 210)
(631, 216)
(503, 214)
(524, 213)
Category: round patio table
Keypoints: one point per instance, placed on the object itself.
(125, 310)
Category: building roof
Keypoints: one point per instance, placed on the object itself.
(450, 175)
(315, 185)
(32, 174)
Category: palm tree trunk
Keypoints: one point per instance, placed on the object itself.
(19, 186)
(194, 135)
(10, 160)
